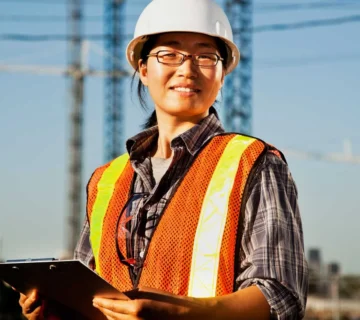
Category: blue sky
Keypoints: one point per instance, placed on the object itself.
(305, 96)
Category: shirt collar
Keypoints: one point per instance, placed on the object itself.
(139, 146)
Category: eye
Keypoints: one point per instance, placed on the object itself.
(168, 55)
(207, 56)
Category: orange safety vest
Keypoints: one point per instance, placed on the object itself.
(193, 248)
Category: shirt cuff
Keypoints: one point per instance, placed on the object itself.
(284, 305)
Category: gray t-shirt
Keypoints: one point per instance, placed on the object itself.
(159, 167)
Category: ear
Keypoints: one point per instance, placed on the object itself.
(143, 72)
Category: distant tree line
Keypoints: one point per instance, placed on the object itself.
(348, 285)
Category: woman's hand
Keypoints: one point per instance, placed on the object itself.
(143, 309)
(248, 303)
(31, 306)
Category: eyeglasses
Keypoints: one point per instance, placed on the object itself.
(175, 58)
(123, 231)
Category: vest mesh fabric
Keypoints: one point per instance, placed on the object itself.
(226, 281)
(170, 249)
(168, 258)
(92, 188)
(110, 266)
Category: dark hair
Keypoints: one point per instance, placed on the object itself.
(148, 45)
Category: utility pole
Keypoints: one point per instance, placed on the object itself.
(76, 122)
(238, 84)
(114, 84)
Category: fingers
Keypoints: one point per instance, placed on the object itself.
(117, 309)
(112, 305)
(22, 299)
(31, 305)
(111, 315)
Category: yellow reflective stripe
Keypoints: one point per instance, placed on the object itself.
(211, 225)
(105, 189)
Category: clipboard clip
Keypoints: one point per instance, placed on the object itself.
(31, 260)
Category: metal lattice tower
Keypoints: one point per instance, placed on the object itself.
(76, 121)
(238, 84)
(114, 84)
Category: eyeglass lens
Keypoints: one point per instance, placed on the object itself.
(176, 58)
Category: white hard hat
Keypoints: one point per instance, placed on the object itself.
(200, 16)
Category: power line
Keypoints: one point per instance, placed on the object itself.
(49, 37)
(305, 61)
(266, 6)
(50, 51)
(47, 18)
(304, 6)
(265, 9)
(52, 2)
(270, 4)
(256, 29)
(64, 2)
(330, 157)
(60, 71)
(43, 18)
(260, 9)
(306, 24)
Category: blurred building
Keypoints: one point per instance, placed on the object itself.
(333, 279)
(316, 276)
(332, 295)
(334, 269)
(314, 260)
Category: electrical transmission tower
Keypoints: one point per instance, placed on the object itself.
(76, 121)
(238, 84)
(114, 84)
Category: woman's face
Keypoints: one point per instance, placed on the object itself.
(186, 91)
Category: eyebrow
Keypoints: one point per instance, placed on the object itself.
(198, 44)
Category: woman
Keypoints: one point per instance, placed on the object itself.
(190, 209)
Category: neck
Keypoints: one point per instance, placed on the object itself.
(169, 128)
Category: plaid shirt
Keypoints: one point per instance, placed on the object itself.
(271, 251)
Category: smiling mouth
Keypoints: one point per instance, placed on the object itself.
(183, 89)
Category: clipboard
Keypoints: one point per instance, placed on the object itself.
(73, 285)
(68, 282)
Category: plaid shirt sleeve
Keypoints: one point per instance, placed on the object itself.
(83, 251)
(272, 249)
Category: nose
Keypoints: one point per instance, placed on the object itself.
(188, 69)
